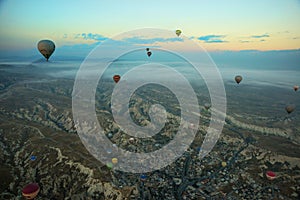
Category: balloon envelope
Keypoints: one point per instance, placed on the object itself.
(117, 78)
(290, 108)
(207, 106)
(270, 175)
(108, 150)
(109, 165)
(114, 160)
(46, 48)
(178, 32)
(223, 164)
(33, 158)
(31, 190)
(143, 177)
(131, 140)
(238, 79)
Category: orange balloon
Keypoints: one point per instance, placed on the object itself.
(117, 78)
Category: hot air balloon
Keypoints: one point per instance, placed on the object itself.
(178, 32)
(270, 175)
(147, 49)
(110, 135)
(207, 106)
(109, 165)
(108, 151)
(114, 160)
(143, 177)
(290, 108)
(117, 78)
(191, 126)
(149, 53)
(33, 158)
(31, 190)
(296, 87)
(238, 79)
(224, 164)
(46, 48)
(131, 140)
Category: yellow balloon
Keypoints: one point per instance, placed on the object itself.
(224, 164)
(114, 160)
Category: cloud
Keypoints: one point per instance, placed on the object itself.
(255, 38)
(260, 36)
(283, 32)
(244, 41)
(76, 36)
(88, 36)
(258, 59)
(140, 40)
(212, 38)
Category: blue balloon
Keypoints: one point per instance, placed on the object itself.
(108, 151)
(143, 177)
(33, 158)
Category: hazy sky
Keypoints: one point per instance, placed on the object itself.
(215, 24)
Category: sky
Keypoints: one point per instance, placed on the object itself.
(217, 25)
